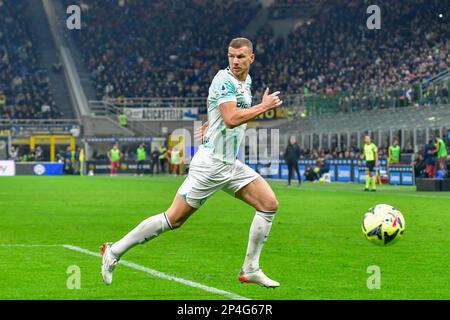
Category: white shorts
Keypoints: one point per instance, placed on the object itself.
(208, 175)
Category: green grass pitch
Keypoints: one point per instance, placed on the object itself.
(316, 249)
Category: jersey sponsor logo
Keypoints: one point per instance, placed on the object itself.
(242, 105)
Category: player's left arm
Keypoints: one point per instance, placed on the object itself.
(233, 117)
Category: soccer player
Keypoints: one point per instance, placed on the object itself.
(371, 157)
(215, 167)
(163, 158)
(441, 152)
(430, 159)
(291, 156)
(175, 161)
(81, 159)
(155, 161)
(141, 156)
(114, 156)
(394, 152)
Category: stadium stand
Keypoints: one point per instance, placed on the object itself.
(177, 62)
(329, 54)
(342, 76)
(283, 9)
(25, 89)
(346, 68)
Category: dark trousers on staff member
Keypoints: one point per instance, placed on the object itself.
(293, 167)
(140, 167)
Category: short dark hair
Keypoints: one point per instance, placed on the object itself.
(237, 43)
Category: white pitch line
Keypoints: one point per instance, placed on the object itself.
(136, 266)
(163, 275)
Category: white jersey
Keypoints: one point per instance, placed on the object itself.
(215, 166)
(221, 142)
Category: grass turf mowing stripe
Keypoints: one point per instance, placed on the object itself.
(135, 266)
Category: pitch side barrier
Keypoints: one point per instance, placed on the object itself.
(126, 167)
(12, 168)
(342, 170)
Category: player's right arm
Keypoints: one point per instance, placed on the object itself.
(233, 117)
(109, 155)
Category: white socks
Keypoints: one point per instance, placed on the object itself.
(145, 231)
(259, 231)
(155, 225)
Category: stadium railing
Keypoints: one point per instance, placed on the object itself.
(435, 91)
(175, 102)
(181, 102)
(431, 93)
(28, 127)
(112, 112)
(112, 108)
(300, 105)
(33, 122)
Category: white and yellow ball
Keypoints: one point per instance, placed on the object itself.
(383, 225)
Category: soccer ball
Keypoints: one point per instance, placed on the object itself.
(383, 225)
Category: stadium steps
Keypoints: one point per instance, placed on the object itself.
(256, 24)
(98, 126)
(48, 57)
(86, 81)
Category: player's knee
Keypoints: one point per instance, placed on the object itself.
(271, 204)
(174, 220)
(177, 223)
(177, 220)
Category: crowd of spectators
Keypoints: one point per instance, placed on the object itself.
(336, 52)
(25, 91)
(173, 48)
(26, 154)
(160, 48)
